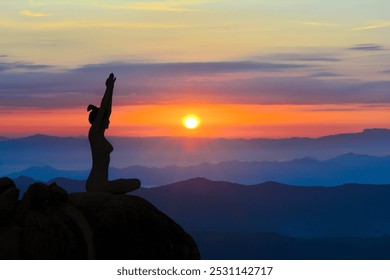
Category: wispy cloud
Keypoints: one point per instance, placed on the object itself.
(315, 59)
(150, 7)
(379, 25)
(180, 69)
(156, 83)
(77, 24)
(368, 47)
(324, 75)
(318, 24)
(304, 57)
(34, 3)
(17, 66)
(29, 13)
(165, 6)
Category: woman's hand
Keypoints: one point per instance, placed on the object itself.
(110, 80)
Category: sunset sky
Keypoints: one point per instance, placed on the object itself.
(249, 68)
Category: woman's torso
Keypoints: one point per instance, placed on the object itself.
(101, 149)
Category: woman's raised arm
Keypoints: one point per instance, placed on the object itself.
(106, 104)
(104, 112)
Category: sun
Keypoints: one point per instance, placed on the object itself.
(191, 121)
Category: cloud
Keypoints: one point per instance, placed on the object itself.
(162, 83)
(367, 47)
(163, 6)
(318, 24)
(300, 90)
(373, 26)
(15, 66)
(320, 59)
(77, 24)
(150, 7)
(309, 57)
(191, 68)
(324, 74)
(3, 67)
(34, 3)
(28, 13)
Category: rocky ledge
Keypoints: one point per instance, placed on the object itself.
(49, 223)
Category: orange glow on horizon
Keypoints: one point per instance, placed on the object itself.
(218, 120)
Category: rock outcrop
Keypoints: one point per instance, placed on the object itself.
(48, 223)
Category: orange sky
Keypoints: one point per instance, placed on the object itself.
(170, 54)
(217, 120)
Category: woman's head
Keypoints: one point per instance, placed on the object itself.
(94, 112)
(92, 115)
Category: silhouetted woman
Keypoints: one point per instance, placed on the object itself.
(101, 148)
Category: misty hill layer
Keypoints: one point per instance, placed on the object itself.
(203, 205)
(347, 168)
(276, 221)
(71, 153)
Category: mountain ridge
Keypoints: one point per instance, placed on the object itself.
(366, 132)
(199, 204)
(307, 171)
(74, 152)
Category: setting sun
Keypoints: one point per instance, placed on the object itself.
(191, 121)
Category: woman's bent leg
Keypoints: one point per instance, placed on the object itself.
(122, 186)
(119, 186)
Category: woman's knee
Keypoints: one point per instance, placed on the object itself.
(136, 182)
(129, 183)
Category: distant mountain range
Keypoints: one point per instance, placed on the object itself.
(209, 206)
(70, 185)
(276, 221)
(73, 153)
(348, 168)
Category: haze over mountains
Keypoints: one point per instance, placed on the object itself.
(276, 221)
(203, 205)
(327, 161)
(73, 153)
(348, 168)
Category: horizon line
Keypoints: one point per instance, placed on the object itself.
(194, 137)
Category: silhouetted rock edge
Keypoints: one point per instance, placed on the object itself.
(49, 223)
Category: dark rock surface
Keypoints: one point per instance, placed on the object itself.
(48, 223)
(129, 227)
(8, 200)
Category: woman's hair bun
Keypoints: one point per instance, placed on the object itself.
(92, 115)
(91, 107)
